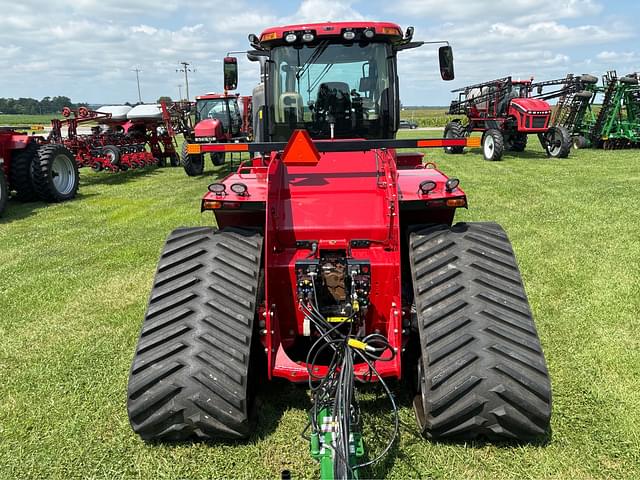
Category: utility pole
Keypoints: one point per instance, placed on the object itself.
(180, 91)
(185, 69)
(137, 70)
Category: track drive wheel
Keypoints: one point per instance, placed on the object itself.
(556, 142)
(20, 173)
(482, 372)
(55, 174)
(4, 190)
(193, 164)
(191, 376)
(492, 144)
(454, 130)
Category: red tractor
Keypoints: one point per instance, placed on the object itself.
(506, 114)
(35, 169)
(337, 262)
(220, 117)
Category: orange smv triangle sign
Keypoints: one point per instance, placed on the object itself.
(300, 150)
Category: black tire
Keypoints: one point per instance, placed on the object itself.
(192, 164)
(586, 94)
(4, 190)
(112, 153)
(190, 377)
(217, 159)
(20, 175)
(454, 130)
(628, 80)
(586, 78)
(484, 374)
(517, 142)
(55, 174)
(580, 142)
(492, 145)
(557, 142)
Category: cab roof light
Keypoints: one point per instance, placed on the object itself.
(290, 37)
(348, 34)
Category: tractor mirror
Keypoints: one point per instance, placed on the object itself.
(445, 55)
(230, 73)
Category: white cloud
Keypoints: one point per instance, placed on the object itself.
(516, 11)
(316, 11)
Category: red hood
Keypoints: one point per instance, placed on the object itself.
(209, 127)
(531, 104)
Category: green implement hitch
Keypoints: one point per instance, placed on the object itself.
(323, 451)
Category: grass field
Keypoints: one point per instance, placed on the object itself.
(74, 281)
(6, 119)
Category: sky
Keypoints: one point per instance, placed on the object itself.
(88, 49)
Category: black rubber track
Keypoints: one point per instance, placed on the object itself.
(193, 164)
(485, 372)
(190, 373)
(4, 190)
(42, 173)
(20, 175)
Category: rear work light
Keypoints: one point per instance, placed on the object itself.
(239, 188)
(369, 33)
(452, 184)
(307, 37)
(290, 37)
(217, 188)
(427, 186)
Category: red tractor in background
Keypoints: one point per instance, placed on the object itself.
(336, 260)
(35, 169)
(220, 117)
(505, 113)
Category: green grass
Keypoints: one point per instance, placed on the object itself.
(8, 119)
(74, 281)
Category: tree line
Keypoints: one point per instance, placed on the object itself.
(32, 106)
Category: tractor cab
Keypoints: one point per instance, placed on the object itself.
(217, 115)
(335, 80)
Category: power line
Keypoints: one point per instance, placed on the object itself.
(137, 70)
(185, 69)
